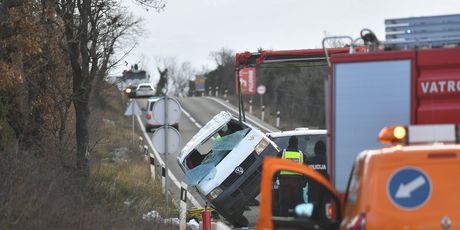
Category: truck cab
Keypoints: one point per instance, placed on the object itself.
(407, 185)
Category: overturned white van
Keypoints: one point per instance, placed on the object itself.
(224, 162)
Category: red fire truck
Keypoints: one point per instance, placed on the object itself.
(411, 78)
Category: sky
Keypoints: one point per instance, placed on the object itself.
(190, 29)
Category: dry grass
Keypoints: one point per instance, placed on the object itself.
(43, 191)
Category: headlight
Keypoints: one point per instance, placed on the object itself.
(214, 193)
(261, 146)
(128, 90)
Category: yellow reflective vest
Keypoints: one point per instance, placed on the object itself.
(295, 156)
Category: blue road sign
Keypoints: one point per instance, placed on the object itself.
(409, 188)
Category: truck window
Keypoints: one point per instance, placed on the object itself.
(200, 164)
(291, 194)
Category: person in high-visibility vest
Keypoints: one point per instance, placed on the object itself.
(291, 183)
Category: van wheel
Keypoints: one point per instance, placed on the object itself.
(238, 220)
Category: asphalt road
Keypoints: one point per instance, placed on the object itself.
(197, 111)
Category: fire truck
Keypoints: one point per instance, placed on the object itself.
(413, 77)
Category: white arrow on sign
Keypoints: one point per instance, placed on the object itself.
(405, 190)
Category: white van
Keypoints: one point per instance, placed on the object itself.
(224, 162)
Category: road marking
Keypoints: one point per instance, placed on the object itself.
(247, 117)
(191, 118)
(405, 190)
(160, 160)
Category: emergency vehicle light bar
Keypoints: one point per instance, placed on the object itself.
(418, 134)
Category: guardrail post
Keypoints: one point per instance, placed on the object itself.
(262, 115)
(183, 207)
(146, 152)
(217, 91)
(250, 106)
(152, 166)
(163, 179)
(277, 119)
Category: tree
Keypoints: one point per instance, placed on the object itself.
(34, 86)
(92, 29)
(224, 73)
(174, 77)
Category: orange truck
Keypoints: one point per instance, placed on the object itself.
(412, 184)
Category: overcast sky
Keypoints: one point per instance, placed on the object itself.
(190, 29)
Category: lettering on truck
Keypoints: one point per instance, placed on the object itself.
(440, 86)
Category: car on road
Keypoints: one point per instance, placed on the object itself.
(150, 123)
(130, 91)
(407, 185)
(312, 143)
(145, 90)
(223, 161)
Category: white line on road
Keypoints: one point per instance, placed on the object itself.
(191, 118)
(234, 110)
(158, 158)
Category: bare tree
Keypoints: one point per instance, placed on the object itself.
(92, 29)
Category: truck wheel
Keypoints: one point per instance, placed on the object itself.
(238, 220)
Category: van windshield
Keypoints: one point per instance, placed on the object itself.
(200, 164)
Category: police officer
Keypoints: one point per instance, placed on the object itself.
(291, 183)
(317, 195)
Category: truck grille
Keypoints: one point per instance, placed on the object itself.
(245, 165)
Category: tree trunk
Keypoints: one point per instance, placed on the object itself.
(81, 131)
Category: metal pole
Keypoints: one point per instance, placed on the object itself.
(261, 100)
(166, 155)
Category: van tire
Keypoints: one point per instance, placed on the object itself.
(238, 220)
